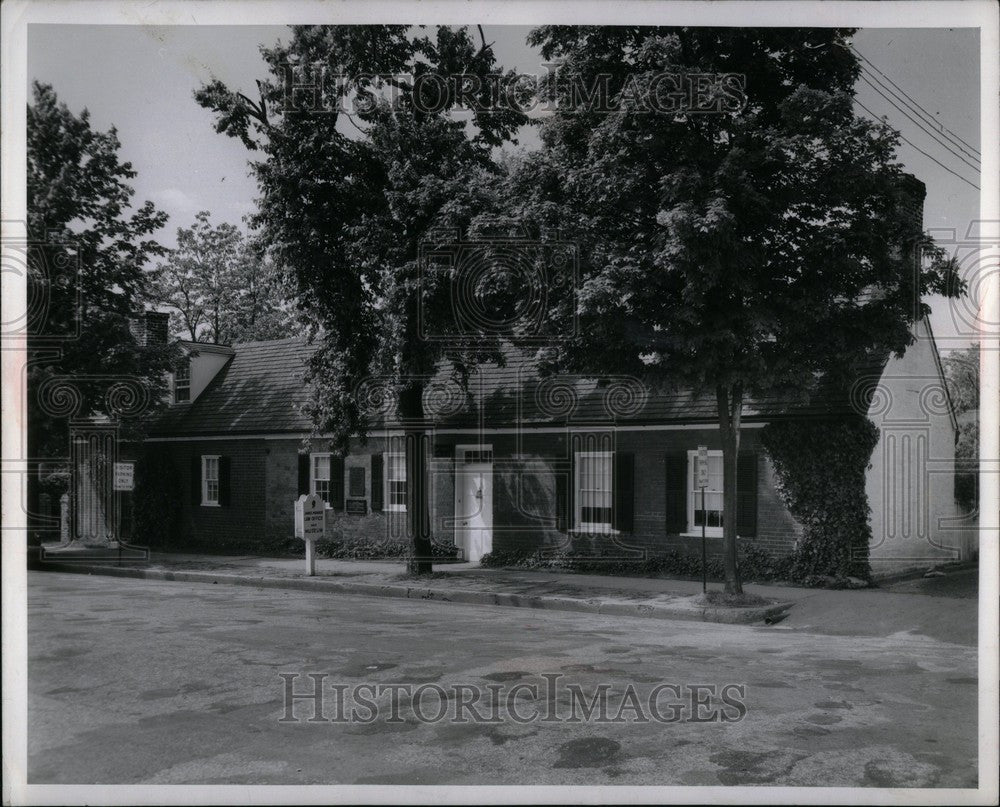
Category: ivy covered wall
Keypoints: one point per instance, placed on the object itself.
(820, 476)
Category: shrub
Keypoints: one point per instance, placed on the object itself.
(364, 548)
(756, 563)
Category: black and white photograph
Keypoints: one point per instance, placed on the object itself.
(457, 402)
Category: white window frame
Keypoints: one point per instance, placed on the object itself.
(481, 448)
(387, 503)
(312, 474)
(600, 527)
(205, 500)
(692, 496)
(187, 366)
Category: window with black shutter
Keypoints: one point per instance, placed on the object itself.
(377, 497)
(746, 494)
(623, 484)
(675, 502)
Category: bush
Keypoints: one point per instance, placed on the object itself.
(756, 563)
(362, 548)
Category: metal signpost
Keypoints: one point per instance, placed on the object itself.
(701, 481)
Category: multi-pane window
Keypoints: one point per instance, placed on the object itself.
(321, 476)
(711, 514)
(593, 491)
(210, 480)
(182, 382)
(395, 482)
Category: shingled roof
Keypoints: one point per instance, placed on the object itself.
(261, 390)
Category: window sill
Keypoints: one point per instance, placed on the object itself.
(210, 504)
(593, 531)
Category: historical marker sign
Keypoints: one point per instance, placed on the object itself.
(310, 523)
(124, 476)
(310, 517)
(701, 468)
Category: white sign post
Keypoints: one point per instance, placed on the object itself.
(701, 481)
(310, 519)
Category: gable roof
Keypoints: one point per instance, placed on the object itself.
(262, 389)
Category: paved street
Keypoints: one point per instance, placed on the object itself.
(140, 681)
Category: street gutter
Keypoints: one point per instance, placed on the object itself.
(681, 608)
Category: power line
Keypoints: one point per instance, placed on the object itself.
(950, 150)
(944, 129)
(928, 156)
(867, 77)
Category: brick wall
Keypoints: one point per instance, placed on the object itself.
(242, 525)
(264, 487)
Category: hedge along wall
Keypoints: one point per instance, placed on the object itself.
(820, 476)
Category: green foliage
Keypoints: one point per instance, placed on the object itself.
(961, 371)
(755, 563)
(79, 214)
(222, 288)
(967, 465)
(750, 250)
(376, 549)
(353, 181)
(820, 476)
(961, 368)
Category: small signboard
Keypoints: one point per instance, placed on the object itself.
(124, 476)
(310, 523)
(701, 468)
(356, 507)
(310, 517)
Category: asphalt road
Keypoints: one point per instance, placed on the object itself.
(156, 682)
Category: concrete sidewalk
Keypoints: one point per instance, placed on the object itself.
(901, 608)
(453, 582)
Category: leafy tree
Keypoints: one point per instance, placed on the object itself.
(86, 259)
(356, 174)
(741, 235)
(961, 368)
(88, 266)
(222, 288)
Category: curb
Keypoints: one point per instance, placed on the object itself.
(593, 605)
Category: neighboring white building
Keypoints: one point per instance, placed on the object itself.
(915, 519)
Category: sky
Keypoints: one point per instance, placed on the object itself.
(142, 79)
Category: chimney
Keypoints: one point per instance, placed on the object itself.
(151, 328)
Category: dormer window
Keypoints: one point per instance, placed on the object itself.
(182, 382)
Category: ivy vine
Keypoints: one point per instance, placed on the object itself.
(820, 476)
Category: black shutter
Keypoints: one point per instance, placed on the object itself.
(304, 468)
(623, 486)
(196, 479)
(746, 494)
(337, 483)
(562, 472)
(377, 505)
(675, 503)
(224, 497)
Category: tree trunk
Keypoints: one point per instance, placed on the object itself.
(417, 489)
(730, 405)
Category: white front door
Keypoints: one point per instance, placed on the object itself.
(474, 510)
